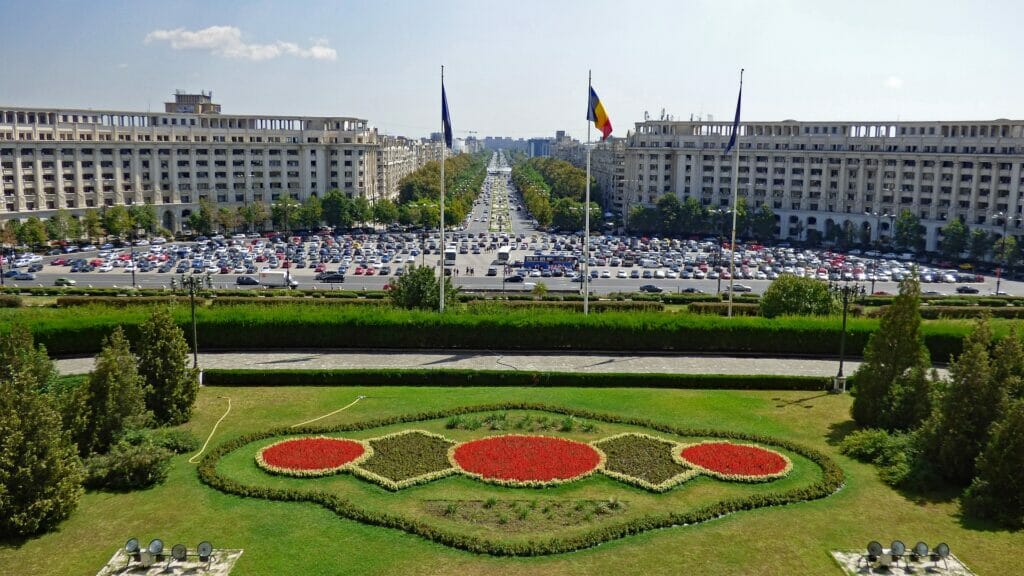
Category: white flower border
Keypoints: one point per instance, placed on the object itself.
(677, 455)
(314, 473)
(393, 485)
(527, 483)
(663, 486)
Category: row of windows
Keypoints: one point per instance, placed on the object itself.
(169, 151)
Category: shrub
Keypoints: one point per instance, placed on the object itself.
(722, 308)
(128, 467)
(418, 288)
(791, 295)
(996, 492)
(171, 385)
(175, 441)
(9, 301)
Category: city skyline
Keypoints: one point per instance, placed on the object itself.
(520, 74)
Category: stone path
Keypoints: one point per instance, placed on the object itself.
(484, 360)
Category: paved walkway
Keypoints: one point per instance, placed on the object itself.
(483, 360)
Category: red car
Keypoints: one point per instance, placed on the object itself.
(59, 262)
(359, 271)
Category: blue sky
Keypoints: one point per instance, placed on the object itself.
(519, 68)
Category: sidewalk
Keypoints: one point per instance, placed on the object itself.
(482, 360)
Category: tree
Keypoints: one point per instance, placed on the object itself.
(117, 221)
(254, 214)
(143, 217)
(763, 223)
(92, 224)
(980, 245)
(385, 211)
(643, 220)
(171, 386)
(201, 222)
(892, 386)
(58, 225)
(227, 219)
(337, 209)
(954, 239)
(21, 358)
(361, 211)
(32, 232)
(997, 491)
(418, 288)
(111, 401)
(796, 295)
(311, 214)
(909, 234)
(40, 473)
(285, 213)
(971, 401)
(1006, 252)
(1008, 364)
(670, 215)
(693, 217)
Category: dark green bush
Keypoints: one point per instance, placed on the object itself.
(455, 377)
(176, 441)
(127, 467)
(595, 305)
(722, 308)
(121, 301)
(9, 301)
(669, 298)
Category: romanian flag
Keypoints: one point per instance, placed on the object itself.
(597, 115)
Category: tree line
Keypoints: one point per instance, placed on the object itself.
(670, 217)
(554, 191)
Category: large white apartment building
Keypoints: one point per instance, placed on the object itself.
(54, 159)
(821, 174)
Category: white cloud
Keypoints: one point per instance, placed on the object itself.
(894, 82)
(226, 41)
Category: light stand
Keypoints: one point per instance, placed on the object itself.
(845, 292)
(193, 284)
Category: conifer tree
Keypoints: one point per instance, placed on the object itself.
(998, 490)
(893, 386)
(1008, 364)
(40, 474)
(163, 364)
(18, 354)
(111, 401)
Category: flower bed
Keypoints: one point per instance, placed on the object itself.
(644, 461)
(515, 460)
(313, 456)
(738, 462)
(406, 458)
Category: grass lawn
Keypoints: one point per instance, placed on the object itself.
(301, 538)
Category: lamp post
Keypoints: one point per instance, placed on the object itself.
(1006, 220)
(193, 284)
(845, 292)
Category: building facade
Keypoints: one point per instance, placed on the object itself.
(75, 160)
(397, 157)
(816, 175)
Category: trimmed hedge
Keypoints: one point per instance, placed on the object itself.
(299, 325)
(832, 479)
(313, 301)
(458, 377)
(123, 300)
(9, 301)
(595, 305)
(722, 308)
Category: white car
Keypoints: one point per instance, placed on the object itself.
(105, 268)
(621, 274)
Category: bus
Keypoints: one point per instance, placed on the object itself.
(504, 253)
(450, 252)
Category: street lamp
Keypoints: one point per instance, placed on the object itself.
(1006, 220)
(193, 284)
(845, 292)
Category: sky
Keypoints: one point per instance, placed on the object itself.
(520, 68)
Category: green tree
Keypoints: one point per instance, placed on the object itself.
(419, 288)
(1006, 252)
(111, 401)
(58, 225)
(763, 223)
(643, 220)
(74, 228)
(171, 385)
(32, 232)
(670, 215)
(693, 217)
(21, 358)
(893, 388)
(971, 401)
(361, 211)
(253, 214)
(385, 211)
(40, 473)
(997, 492)
(285, 213)
(980, 245)
(92, 224)
(227, 219)
(1008, 364)
(117, 221)
(311, 214)
(909, 234)
(796, 295)
(954, 239)
(337, 209)
(143, 217)
(201, 221)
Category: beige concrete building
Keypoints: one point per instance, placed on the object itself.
(54, 159)
(397, 158)
(821, 174)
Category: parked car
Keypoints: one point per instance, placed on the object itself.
(330, 277)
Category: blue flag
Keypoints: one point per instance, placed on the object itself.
(445, 119)
(735, 122)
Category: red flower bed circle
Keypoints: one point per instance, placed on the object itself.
(526, 459)
(311, 454)
(739, 460)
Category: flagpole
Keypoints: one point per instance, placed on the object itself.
(443, 247)
(735, 195)
(586, 219)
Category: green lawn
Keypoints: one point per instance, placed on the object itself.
(301, 538)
